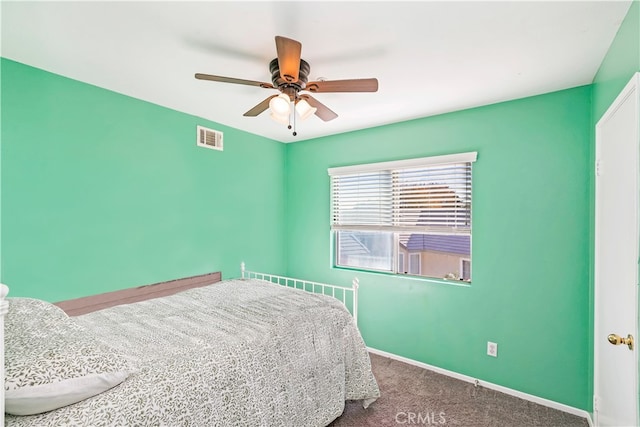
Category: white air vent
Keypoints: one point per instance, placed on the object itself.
(209, 138)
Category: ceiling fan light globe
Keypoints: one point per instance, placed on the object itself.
(279, 105)
(304, 109)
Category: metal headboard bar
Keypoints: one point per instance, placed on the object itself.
(338, 292)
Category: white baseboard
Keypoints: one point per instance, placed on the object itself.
(505, 390)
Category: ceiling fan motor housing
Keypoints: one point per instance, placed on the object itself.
(290, 88)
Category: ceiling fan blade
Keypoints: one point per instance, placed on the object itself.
(259, 108)
(233, 80)
(289, 52)
(322, 111)
(352, 85)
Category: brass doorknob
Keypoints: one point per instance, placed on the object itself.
(617, 340)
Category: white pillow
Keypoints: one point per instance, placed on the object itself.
(51, 361)
(47, 397)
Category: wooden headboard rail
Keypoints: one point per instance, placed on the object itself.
(78, 306)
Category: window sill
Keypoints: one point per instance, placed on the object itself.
(448, 282)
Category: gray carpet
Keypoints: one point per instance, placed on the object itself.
(416, 396)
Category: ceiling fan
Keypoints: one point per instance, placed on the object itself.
(289, 74)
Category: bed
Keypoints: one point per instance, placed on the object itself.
(260, 350)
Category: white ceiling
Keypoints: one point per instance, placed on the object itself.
(429, 57)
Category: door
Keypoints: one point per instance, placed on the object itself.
(616, 261)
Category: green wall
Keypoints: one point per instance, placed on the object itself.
(620, 63)
(530, 290)
(101, 191)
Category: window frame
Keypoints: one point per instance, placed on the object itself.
(397, 167)
(462, 262)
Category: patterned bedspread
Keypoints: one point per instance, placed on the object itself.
(236, 353)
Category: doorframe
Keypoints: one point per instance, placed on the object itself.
(632, 86)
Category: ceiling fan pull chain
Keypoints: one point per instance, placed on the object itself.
(293, 112)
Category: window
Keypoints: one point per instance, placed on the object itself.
(465, 269)
(414, 263)
(404, 217)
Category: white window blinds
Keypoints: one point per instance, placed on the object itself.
(431, 195)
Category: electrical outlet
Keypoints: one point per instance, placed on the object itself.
(492, 349)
